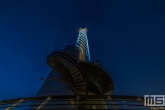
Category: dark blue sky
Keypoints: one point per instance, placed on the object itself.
(127, 36)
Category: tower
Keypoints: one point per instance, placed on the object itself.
(80, 75)
(74, 65)
(75, 82)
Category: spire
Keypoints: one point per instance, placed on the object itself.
(82, 44)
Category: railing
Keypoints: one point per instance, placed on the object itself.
(72, 102)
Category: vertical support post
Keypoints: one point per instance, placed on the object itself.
(77, 102)
(43, 103)
(111, 102)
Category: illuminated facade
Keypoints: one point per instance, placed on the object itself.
(82, 44)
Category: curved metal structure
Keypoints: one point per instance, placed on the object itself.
(83, 77)
(67, 66)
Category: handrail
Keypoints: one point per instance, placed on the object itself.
(118, 100)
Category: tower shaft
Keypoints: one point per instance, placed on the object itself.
(82, 45)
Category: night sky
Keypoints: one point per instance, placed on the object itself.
(127, 36)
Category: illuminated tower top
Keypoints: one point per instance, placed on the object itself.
(82, 44)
